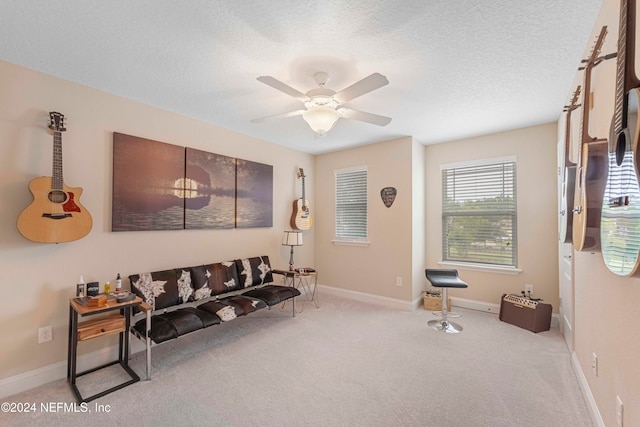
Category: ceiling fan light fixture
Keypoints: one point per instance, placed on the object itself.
(323, 106)
(321, 119)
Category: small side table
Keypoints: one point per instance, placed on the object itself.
(304, 279)
(118, 321)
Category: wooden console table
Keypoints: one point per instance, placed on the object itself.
(117, 320)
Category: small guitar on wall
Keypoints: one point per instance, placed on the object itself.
(301, 217)
(568, 175)
(55, 215)
(591, 167)
(620, 220)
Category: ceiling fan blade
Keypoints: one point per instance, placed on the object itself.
(366, 85)
(277, 84)
(362, 116)
(279, 116)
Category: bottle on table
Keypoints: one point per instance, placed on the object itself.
(80, 288)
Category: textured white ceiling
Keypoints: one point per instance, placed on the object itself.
(456, 68)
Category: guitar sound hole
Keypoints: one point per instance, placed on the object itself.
(58, 196)
(621, 148)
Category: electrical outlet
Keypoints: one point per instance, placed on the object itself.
(45, 334)
(619, 408)
(528, 289)
(594, 364)
(398, 281)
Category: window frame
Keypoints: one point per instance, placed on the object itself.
(339, 236)
(475, 263)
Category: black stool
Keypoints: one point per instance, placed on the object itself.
(444, 279)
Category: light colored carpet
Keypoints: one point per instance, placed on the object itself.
(344, 364)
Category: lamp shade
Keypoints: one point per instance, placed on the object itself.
(292, 238)
(321, 119)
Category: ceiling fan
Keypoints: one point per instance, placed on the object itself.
(323, 107)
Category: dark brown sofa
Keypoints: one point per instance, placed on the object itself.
(183, 300)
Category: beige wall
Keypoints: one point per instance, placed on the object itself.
(373, 269)
(535, 152)
(418, 229)
(38, 279)
(607, 307)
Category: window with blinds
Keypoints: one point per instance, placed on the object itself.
(351, 204)
(479, 213)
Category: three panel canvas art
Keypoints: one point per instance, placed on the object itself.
(160, 186)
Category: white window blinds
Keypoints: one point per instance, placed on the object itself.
(351, 204)
(479, 214)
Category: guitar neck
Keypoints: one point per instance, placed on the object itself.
(56, 175)
(631, 80)
(584, 130)
(567, 138)
(625, 73)
(619, 119)
(593, 60)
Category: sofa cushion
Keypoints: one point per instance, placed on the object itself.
(161, 329)
(230, 308)
(214, 279)
(273, 294)
(184, 321)
(224, 311)
(200, 281)
(207, 318)
(244, 305)
(171, 325)
(167, 326)
(254, 271)
(159, 289)
(185, 285)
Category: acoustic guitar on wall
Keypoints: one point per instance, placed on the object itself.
(568, 175)
(591, 167)
(56, 214)
(301, 217)
(620, 220)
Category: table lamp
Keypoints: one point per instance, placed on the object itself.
(292, 238)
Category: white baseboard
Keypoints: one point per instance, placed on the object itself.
(405, 305)
(487, 307)
(586, 391)
(28, 380)
(416, 304)
(491, 308)
(364, 297)
(46, 374)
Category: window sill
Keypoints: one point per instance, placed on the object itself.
(482, 267)
(350, 242)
